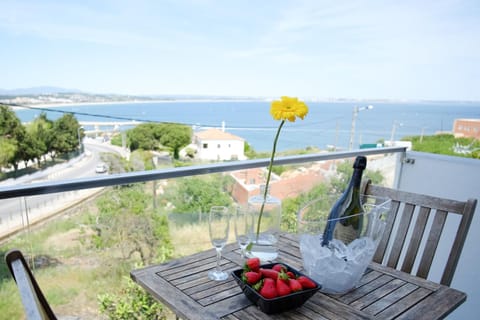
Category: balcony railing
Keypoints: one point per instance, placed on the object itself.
(409, 171)
(143, 176)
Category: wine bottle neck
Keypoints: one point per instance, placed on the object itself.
(357, 178)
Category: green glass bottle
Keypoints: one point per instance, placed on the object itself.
(351, 216)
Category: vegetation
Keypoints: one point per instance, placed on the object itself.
(131, 303)
(42, 137)
(89, 253)
(156, 136)
(446, 144)
(198, 194)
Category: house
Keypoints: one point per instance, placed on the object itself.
(290, 184)
(469, 128)
(218, 145)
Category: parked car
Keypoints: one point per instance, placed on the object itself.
(101, 168)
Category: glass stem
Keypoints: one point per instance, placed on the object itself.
(219, 256)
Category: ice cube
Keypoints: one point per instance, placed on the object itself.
(311, 250)
(334, 264)
(361, 250)
(339, 248)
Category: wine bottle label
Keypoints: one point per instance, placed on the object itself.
(346, 234)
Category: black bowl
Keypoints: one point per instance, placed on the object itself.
(279, 304)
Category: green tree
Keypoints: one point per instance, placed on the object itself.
(65, 134)
(11, 129)
(42, 129)
(142, 137)
(151, 136)
(175, 136)
(128, 222)
(7, 151)
(29, 148)
(198, 194)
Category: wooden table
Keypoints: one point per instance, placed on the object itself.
(383, 293)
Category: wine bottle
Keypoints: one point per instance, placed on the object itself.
(347, 208)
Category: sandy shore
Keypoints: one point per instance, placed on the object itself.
(69, 104)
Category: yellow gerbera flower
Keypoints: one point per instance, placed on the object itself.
(288, 109)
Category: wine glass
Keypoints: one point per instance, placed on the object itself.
(218, 226)
(242, 226)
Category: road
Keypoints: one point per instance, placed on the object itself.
(12, 211)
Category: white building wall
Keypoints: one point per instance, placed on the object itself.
(219, 150)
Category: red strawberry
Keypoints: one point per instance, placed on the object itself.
(251, 277)
(279, 267)
(291, 275)
(306, 282)
(269, 273)
(294, 285)
(268, 289)
(282, 287)
(252, 264)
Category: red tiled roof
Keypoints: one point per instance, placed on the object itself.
(215, 134)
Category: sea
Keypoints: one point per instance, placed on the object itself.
(327, 124)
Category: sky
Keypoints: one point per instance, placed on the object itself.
(355, 49)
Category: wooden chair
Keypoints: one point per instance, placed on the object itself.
(33, 300)
(423, 217)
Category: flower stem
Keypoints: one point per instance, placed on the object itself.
(268, 176)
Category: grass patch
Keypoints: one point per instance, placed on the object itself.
(70, 271)
(73, 272)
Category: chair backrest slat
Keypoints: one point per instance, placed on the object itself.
(411, 214)
(382, 246)
(416, 239)
(34, 302)
(432, 243)
(25, 288)
(401, 234)
(466, 221)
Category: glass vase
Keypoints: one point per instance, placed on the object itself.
(339, 266)
(264, 231)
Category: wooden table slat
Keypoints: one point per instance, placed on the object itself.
(216, 294)
(361, 291)
(436, 305)
(337, 309)
(377, 293)
(403, 304)
(391, 298)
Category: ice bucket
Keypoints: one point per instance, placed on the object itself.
(339, 265)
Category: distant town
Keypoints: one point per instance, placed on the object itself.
(59, 96)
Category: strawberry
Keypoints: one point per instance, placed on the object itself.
(252, 264)
(269, 273)
(251, 277)
(279, 267)
(291, 275)
(282, 287)
(295, 285)
(306, 282)
(268, 290)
